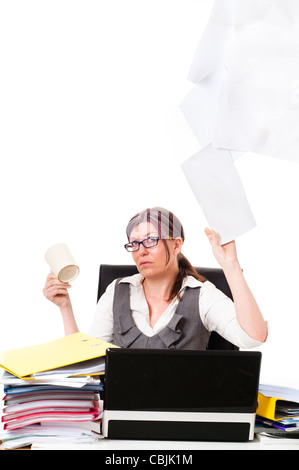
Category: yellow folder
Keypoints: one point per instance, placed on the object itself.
(267, 407)
(68, 350)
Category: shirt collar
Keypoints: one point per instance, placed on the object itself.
(137, 279)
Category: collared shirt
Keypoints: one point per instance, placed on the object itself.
(217, 312)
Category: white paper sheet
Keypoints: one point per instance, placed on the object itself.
(246, 75)
(246, 94)
(218, 189)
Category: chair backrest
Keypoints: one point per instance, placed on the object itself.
(110, 272)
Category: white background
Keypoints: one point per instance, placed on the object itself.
(91, 133)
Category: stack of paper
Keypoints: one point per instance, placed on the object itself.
(289, 392)
(49, 386)
(49, 434)
(278, 411)
(35, 404)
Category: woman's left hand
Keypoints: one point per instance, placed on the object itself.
(226, 255)
(247, 311)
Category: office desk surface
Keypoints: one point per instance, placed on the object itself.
(172, 446)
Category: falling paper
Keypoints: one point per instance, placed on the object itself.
(246, 76)
(217, 187)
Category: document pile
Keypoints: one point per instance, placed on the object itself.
(277, 415)
(52, 391)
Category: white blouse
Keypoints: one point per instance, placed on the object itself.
(217, 312)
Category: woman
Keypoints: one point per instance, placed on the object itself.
(167, 304)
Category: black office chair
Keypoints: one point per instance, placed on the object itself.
(109, 272)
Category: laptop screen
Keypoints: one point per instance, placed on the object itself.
(181, 380)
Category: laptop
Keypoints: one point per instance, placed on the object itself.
(180, 394)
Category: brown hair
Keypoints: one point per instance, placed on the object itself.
(169, 228)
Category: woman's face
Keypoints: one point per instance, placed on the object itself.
(153, 261)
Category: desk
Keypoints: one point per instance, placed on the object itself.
(111, 445)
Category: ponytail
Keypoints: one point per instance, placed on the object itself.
(185, 269)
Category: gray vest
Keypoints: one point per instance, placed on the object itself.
(184, 331)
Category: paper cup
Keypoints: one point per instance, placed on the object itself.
(61, 262)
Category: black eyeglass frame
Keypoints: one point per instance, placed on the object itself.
(142, 243)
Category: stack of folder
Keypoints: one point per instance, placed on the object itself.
(52, 391)
(277, 415)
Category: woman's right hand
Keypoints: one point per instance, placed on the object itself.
(57, 292)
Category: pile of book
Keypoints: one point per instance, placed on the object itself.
(52, 392)
(277, 416)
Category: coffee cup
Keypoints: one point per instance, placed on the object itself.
(61, 262)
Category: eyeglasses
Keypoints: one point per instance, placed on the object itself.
(147, 243)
